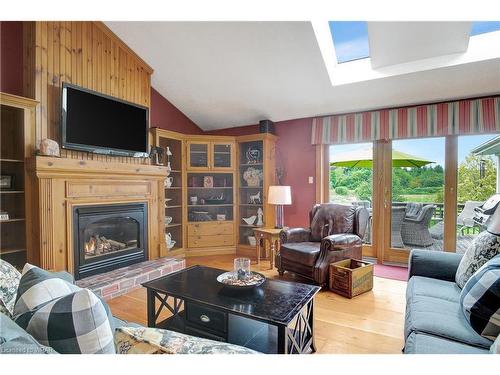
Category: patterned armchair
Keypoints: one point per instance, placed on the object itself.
(334, 234)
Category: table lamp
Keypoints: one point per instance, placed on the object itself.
(279, 196)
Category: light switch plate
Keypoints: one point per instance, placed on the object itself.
(311, 179)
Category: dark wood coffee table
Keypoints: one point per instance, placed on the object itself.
(277, 317)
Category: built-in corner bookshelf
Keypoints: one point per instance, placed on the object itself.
(173, 189)
(17, 138)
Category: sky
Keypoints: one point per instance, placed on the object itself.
(350, 39)
(427, 148)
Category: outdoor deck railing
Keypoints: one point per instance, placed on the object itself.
(438, 212)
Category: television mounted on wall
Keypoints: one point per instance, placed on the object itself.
(99, 123)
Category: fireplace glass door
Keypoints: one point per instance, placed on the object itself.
(111, 236)
(107, 237)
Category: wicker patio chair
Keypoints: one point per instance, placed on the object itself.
(397, 220)
(415, 230)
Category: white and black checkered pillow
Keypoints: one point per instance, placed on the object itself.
(76, 323)
(37, 287)
(480, 299)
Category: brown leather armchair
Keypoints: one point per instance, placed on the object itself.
(335, 233)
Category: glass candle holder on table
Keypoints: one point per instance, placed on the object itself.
(242, 268)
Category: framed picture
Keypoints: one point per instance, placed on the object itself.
(208, 181)
(6, 182)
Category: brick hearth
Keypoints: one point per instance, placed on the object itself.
(122, 280)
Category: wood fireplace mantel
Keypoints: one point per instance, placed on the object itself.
(61, 183)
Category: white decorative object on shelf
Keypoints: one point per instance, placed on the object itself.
(253, 176)
(251, 240)
(169, 241)
(169, 181)
(260, 214)
(255, 198)
(249, 220)
(168, 219)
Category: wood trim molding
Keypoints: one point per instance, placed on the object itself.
(322, 174)
(47, 255)
(450, 193)
(45, 166)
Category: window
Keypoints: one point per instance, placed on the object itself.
(350, 40)
(483, 27)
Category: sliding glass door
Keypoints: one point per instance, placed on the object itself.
(416, 205)
(421, 193)
(351, 181)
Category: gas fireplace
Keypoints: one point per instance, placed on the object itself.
(107, 237)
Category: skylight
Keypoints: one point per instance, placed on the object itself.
(483, 27)
(350, 39)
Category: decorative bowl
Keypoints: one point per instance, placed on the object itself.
(230, 280)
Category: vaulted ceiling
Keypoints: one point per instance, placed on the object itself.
(225, 74)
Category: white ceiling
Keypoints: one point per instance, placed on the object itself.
(225, 74)
(397, 42)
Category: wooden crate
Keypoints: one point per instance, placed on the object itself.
(351, 277)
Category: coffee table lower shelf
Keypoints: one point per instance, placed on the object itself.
(234, 329)
(255, 335)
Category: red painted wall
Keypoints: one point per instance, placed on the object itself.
(11, 57)
(166, 116)
(298, 157)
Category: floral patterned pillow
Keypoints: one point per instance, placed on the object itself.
(484, 247)
(143, 340)
(9, 282)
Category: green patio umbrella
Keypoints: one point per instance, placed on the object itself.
(363, 158)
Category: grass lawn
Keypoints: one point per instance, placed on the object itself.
(421, 198)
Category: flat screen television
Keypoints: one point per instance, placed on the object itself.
(98, 123)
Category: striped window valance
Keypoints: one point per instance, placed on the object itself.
(470, 116)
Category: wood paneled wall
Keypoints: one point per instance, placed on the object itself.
(87, 54)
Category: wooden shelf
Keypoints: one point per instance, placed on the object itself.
(11, 160)
(11, 251)
(251, 165)
(175, 171)
(172, 225)
(251, 205)
(215, 187)
(211, 205)
(251, 187)
(11, 191)
(175, 206)
(12, 220)
(173, 187)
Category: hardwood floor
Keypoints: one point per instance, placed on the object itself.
(371, 323)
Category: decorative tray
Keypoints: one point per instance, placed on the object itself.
(230, 280)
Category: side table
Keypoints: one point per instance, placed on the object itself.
(270, 236)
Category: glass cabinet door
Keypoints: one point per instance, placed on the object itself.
(197, 155)
(222, 155)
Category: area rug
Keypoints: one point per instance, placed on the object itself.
(390, 272)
